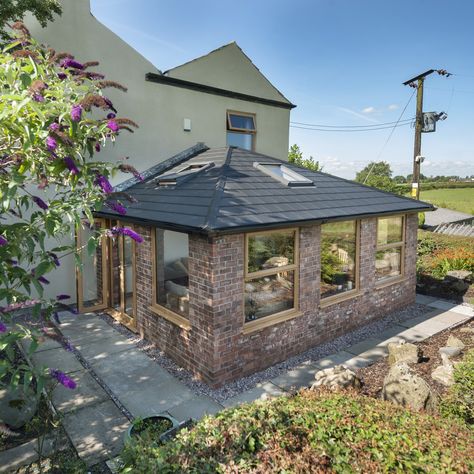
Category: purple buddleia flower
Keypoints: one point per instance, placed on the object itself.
(112, 125)
(43, 280)
(128, 232)
(109, 103)
(62, 76)
(76, 113)
(40, 203)
(97, 147)
(117, 207)
(71, 165)
(104, 184)
(54, 126)
(69, 62)
(56, 317)
(55, 258)
(68, 345)
(51, 143)
(3, 241)
(38, 97)
(62, 378)
(111, 116)
(3, 328)
(62, 297)
(13, 262)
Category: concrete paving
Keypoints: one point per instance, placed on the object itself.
(94, 422)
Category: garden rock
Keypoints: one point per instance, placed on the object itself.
(16, 408)
(402, 387)
(336, 377)
(450, 351)
(467, 330)
(444, 373)
(404, 352)
(463, 275)
(455, 342)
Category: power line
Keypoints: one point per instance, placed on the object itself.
(389, 136)
(349, 126)
(349, 130)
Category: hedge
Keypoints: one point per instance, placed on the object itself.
(311, 432)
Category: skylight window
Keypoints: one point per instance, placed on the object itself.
(183, 174)
(283, 174)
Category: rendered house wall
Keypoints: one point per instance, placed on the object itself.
(215, 346)
(160, 109)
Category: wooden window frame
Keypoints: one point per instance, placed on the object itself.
(160, 310)
(244, 131)
(400, 244)
(79, 275)
(281, 316)
(346, 295)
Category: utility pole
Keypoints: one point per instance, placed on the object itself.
(418, 82)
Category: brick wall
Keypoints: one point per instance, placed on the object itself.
(215, 347)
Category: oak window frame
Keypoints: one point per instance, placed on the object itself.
(381, 282)
(281, 316)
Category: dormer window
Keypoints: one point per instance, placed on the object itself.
(241, 130)
(283, 174)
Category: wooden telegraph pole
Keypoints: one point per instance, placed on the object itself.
(418, 82)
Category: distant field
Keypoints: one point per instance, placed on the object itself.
(461, 199)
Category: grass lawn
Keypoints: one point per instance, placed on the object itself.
(461, 199)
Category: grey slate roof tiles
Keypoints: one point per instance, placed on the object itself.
(233, 196)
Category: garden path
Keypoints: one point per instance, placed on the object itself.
(117, 382)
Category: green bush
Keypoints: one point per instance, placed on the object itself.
(311, 432)
(459, 402)
(421, 219)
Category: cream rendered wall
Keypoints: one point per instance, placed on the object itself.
(160, 109)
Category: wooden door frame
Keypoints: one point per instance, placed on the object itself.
(79, 274)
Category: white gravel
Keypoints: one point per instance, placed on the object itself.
(234, 388)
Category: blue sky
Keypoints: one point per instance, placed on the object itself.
(341, 61)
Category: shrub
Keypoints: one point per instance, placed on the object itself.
(445, 260)
(459, 402)
(421, 219)
(311, 432)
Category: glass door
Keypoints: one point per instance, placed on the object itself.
(91, 275)
(122, 300)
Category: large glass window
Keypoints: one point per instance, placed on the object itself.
(241, 130)
(390, 244)
(339, 266)
(172, 275)
(271, 273)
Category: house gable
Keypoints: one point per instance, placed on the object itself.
(228, 68)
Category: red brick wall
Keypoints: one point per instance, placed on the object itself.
(215, 347)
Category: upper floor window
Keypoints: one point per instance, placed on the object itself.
(390, 247)
(339, 258)
(241, 130)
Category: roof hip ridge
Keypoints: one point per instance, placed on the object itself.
(218, 192)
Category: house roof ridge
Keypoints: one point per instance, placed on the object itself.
(218, 192)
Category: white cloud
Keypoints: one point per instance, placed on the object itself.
(368, 110)
(357, 114)
(393, 107)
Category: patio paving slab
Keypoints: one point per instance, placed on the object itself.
(57, 359)
(338, 358)
(96, 351)
(448, 306)
(96, 431)
(413, 335)
(452, 318)
(424, 299)
(87, 392)
(45, 345)
(301, 376)
(431, 327)
(195, 408)
(262, 391)
(364, 345)
(88, 333)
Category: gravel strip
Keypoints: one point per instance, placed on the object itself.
(234, 388)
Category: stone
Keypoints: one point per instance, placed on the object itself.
(16, 407)
(455, 342)
(404, 352)
(444, 373)
(467, 330)
(402, 387)
(463, 275)
(336, 377)
(450, 351)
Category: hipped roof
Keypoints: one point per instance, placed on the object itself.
(235, 196)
